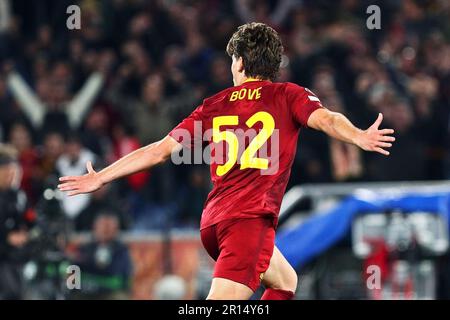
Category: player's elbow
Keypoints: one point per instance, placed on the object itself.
(327, 122)
(163, 157)
(160, 156)
(156, 154)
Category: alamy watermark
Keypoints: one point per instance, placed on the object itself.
(373, 281)
(73, 280)
(374, 20)
(73, 22)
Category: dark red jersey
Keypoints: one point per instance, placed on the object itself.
(251, 131)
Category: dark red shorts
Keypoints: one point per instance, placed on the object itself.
(242, 249)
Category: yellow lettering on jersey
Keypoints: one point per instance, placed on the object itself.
(250, 94)
(242, 93)
(234, 95)
(258, 93)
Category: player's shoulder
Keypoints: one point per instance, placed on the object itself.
(295, 91)
(293, 87)
(285, 89)
(218, 97)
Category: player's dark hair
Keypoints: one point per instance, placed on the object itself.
(260, 48)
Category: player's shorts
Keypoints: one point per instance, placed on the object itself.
(242, 249)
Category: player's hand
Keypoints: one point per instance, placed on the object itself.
(74, 185)
(374, 139)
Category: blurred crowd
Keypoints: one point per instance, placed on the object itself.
(136, 68)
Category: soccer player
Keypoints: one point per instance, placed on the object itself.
(240, 215)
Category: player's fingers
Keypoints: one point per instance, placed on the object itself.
(63, 187)
(73, 193)
(384, 144)
(68, 178)
(67, 186)
(387, 139)
(386, 131)
(382, 151)
(89, 167)
(377, 122)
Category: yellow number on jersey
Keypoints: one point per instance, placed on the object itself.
(229, 137)
(248, 159)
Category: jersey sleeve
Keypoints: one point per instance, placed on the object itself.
(302, 102)
(190, 131)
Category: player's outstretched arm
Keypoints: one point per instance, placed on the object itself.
(338, 126)
(138, 160)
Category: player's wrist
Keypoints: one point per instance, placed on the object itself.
(102, 179)
(358, 138)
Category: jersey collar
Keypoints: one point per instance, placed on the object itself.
(253, 80)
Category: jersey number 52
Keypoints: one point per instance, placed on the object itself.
(248, 159)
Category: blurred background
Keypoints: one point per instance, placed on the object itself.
(354, 225)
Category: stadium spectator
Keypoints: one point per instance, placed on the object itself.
(20, 138)
(52, 109)
(72, 162)
(16, 218)
(106, 199)
(49, 151)
(105, 262)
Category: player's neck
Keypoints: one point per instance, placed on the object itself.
(251, 79)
